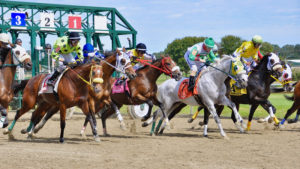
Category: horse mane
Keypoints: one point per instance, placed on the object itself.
(4, 52)
(263, 61)
(218, 64)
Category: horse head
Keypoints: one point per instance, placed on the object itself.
(286, 77)
(274, 64)
(124, 63)
(170, 67)
(237, 70)
(96, 79)
(20, 56)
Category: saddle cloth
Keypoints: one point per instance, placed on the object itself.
(183, 91)
(44, 88)
(120, 87)
(235, 91)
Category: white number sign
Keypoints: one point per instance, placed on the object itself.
(47, 20)
(100, 24)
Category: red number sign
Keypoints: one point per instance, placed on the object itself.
(74, 22)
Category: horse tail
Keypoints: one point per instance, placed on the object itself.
(289, 97)
(20, 86)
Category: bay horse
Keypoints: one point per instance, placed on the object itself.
(211, 91)
(258, 90)
(143, 88)
(7, 75)
(113, 61)
(294, 107)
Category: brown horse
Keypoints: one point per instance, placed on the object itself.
(102, 96)
(73, 90)
(295, 106)
(143, 88)
(7, 74)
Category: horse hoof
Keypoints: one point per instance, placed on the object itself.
(106, 135)
(123, 126)
(205, 135)
(11, 137)
(226, 137)
(190, 120)
(36, 130)
(6, 131)
(24, 131)
(145, 118)
(144, 124)
(97, 138)
(61, 140)
(201, 123)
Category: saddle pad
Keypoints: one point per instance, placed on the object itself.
(183, 91)
(234, 91)
(49, 89)
(120, 88)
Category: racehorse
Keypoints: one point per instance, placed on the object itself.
(7, 75)
(258, 89)
(211, 90)
(294, 107)
(143, 88)
(113, 61)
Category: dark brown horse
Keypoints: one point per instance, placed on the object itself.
(101, 97)
(73, 90)
(7, 75)
(143, 88)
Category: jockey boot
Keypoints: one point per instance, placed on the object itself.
(191, 83)
(52, 78)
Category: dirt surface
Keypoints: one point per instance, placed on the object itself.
(180, 147)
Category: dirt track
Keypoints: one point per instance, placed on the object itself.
(180, 147)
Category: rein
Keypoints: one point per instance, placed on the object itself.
(119, 70)
(228, 74)
(282, 83)
(146, 62)
(90, 76)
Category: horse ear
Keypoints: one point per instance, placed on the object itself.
(124, 50)
(268, 54)
(118, 51)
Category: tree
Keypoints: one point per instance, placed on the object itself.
(230, 43)
(276, 48)
(266, 48)
(177, 49)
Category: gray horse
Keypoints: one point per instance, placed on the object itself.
(211, 89)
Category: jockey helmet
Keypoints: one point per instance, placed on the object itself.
(87, 48)
(18, 40)
(4, 37)
(209, 42)
(141, 47)
(74, 36)
(257, 39)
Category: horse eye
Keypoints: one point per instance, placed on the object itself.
(235, 68)
(272, 61)
(123, 61)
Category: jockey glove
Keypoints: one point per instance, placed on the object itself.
(207, 63)
(65, 62)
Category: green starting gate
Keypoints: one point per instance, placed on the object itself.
(41, 19)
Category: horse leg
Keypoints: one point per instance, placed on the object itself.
(164, 115)
(195, 114)
(62, 109)
(268, 118)
(119, 116)
(271, 110)
(296, 118)
(295, 106)
(49, 114)
(253, 107)
(104, 116)
(27, 104)
(205, 121)
(93, 124)
(86, 120)
(212, 110)
(3, 119)
(149, 102)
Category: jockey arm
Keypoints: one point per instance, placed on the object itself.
(193, 55)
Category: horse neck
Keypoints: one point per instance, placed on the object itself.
(8, 73)
(152, 73)
(83, 71)
(218, 76)
(262, 74)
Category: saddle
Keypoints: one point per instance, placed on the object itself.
(120, 86)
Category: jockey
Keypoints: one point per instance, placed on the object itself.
(198, 56)
(139, 53)
(63, 49)
(89, 52)
(248, 52)
(4, 40)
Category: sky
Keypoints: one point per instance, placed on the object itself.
(159, 22)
